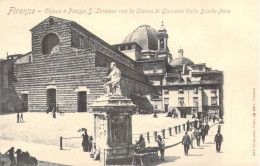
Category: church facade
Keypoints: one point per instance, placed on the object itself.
(67, 64)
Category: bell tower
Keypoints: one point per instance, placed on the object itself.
(162, 39)
(163, 50)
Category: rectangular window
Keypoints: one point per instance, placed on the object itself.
(195, 91)
(214, 101)
(195, 101)
(181, 101)
(213, 90)
(166, 92)
(181, 91)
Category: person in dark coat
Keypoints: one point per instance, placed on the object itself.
(21, 118)
(85, 141)
(188, 125)
(10, 153)
(155, 115)
(196, 124)
(218, 141)
(141, 143)
(203, 134)
(198, 135)
(186, 143)
(18, 117)
(53, 112)
(207, 128)
(214, 118)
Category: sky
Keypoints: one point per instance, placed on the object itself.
(227, 41)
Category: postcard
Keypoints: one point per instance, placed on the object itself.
(112, 82)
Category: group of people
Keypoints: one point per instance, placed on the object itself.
(172, 114)
(199, 133)
(161, 144)
(19, 117)
(87, 142)
(22, 159)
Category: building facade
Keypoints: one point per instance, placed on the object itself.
(67, 63)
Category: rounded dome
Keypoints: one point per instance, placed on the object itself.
(145, 36)
(181, 61)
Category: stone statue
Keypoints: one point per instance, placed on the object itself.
(113, 86)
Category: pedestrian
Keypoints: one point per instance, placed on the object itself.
(186, 143)
(10, 153)
(210, 118)
(188, 125)
(176, 115)
(155, 115)
(21, 118)
(85, 141)
(207, 128)
(200, 124)
(18, 117)
(198, 137)
(161, 145)
(218, 141)
(90, 141)
(141, 143)
(203, 134)
(53, 112)
(196, 124)
(214, 118)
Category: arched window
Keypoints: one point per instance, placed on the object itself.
(50, 44)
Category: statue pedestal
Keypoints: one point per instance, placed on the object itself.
(113, 129)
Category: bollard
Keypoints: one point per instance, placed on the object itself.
(175, 127)
(155, 134)
(163, 133)
(179, 128)
(170, 131)
(148, 137)
(183, 127)
(61, 143)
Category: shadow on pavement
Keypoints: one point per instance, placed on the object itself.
(198, 148)
(195, 155)
(210, 143)
(168, 159)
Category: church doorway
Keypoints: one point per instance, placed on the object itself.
(24, 98)
(82, 98)
(51, 99)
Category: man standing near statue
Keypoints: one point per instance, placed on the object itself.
(114, 84)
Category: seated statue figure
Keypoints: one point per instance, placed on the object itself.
(114, 84)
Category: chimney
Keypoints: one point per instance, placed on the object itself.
(180, 53)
